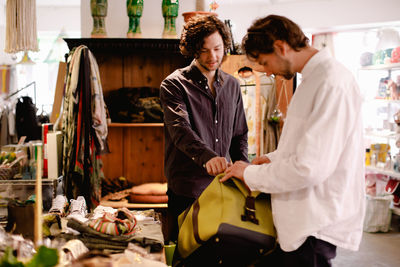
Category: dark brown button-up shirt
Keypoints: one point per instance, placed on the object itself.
(198, 127)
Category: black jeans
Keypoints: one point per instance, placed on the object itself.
(176, 205)
(312, 253)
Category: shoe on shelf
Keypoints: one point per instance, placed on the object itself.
(78, 209)
(59, 205)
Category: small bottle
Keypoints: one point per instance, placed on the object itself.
(388, 162)
(374, 159)
(367, 157)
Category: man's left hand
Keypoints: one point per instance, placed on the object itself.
(236, 170)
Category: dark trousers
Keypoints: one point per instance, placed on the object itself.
(312, 253)
(176, 205)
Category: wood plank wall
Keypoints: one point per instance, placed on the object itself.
(137, 152)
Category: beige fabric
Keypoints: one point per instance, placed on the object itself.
(21, 31)
(150, 189)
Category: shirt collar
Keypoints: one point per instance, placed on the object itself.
(314, 61)
(197, 76)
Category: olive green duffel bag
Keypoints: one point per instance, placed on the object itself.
(227, 219)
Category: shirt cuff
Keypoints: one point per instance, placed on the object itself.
(251, 177)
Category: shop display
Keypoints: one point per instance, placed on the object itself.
(84, 127)
(382, 122)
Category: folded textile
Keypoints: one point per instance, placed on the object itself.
(135, 198)
(150, 189)
(121, 223)
(146, 234)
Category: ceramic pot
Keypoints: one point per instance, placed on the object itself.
(188, 15)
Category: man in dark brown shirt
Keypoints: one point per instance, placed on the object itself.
(205, 124)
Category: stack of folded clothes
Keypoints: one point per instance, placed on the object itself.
(113, 231)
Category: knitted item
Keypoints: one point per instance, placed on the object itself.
(122, 224)
(21, 32)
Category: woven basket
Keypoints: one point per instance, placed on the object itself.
(7, 173)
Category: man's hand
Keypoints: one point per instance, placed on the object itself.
(216, 165)
(260, 160)
(236, 170)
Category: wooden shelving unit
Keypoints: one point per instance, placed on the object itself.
(137, 149)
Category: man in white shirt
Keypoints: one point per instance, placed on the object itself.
(316, 175)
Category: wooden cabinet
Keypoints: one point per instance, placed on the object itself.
(137, 149)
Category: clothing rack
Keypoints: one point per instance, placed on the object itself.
(23, 88)
(253, 84)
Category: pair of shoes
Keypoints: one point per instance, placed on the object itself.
(78, 209)
(59, 206)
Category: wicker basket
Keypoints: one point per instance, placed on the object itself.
(7, 173)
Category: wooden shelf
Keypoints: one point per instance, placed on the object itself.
(126, 45)
(117, 124)
(126, 204)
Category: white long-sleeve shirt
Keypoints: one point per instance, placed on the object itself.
(316, 175)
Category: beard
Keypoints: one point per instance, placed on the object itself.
(204, 66)
(287, 73)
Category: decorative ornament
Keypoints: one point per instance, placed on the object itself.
(277, 115)
(21, 31)
(170, 12)
(134, 9)
(98, 9)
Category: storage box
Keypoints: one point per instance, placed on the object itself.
(378, 214)
(22, 189)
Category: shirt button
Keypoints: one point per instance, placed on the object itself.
(216, 140)
(193, 158)
(206, 87)
(216, 121)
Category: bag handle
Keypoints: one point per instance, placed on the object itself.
(241, 186)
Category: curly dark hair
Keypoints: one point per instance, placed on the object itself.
(264, 32)
(198, 28)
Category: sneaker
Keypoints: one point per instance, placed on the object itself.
(59, 205)
(78, 209)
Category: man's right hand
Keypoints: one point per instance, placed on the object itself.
(216, 165)
(260, 160)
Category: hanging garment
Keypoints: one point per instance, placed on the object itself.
(258, 92)
(27, 123)
(84, 127)
(271, 128)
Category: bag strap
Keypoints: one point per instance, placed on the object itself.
(195, 222)
(249, 207)
(250, 210)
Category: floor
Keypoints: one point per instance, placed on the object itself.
(376, 250)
